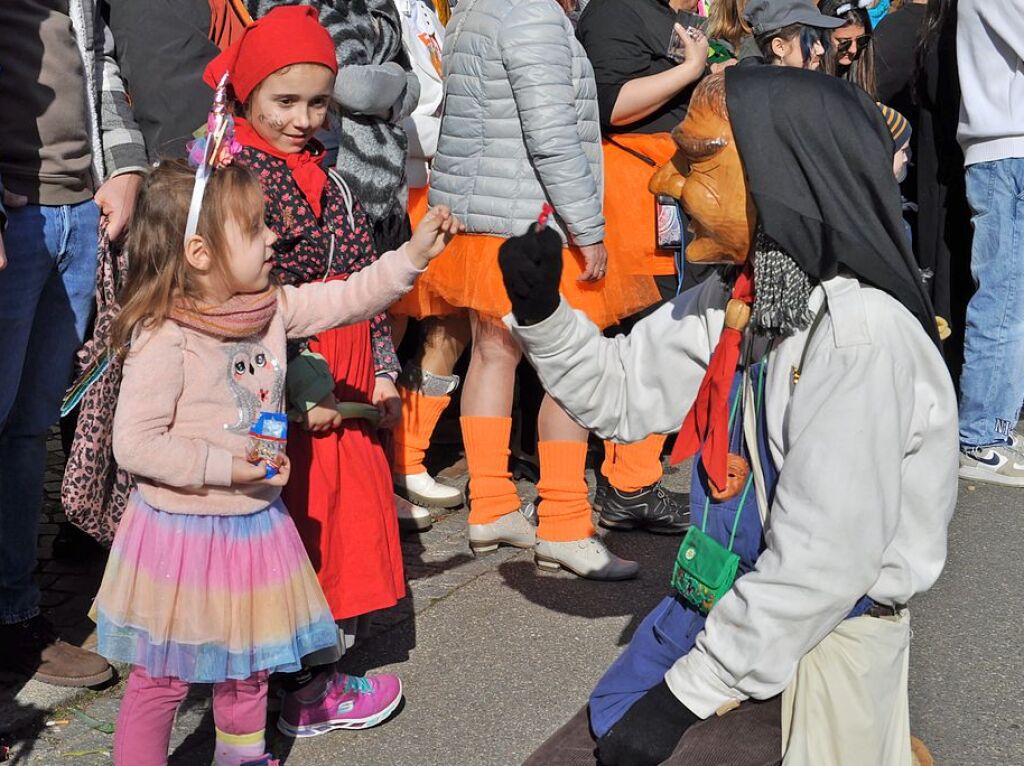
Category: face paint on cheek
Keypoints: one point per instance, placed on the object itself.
(272, 121)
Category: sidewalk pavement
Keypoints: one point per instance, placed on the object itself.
(495, 656)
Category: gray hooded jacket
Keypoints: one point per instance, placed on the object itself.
(520, 123)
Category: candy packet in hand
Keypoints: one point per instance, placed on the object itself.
(268, 438)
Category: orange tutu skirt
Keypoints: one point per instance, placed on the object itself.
(628, 206)
(421, 301)
(467, 274)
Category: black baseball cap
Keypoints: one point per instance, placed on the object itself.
(770, 15)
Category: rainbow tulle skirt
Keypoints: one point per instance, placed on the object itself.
(210, 598)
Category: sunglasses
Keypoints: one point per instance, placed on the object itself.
(843, 46)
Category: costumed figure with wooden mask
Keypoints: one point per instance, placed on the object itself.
(807, 381)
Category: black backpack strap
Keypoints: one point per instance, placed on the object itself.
(639, 155)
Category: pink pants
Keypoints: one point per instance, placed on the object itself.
(144, 724)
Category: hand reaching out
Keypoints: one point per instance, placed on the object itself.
(434, 232)
(386, 400)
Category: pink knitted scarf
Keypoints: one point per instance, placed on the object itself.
(240, 316)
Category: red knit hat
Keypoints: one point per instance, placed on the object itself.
(289, 34)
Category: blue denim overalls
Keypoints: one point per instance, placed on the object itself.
(670, 630)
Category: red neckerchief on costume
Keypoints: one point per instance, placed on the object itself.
(240, 316)
(305, 165)
(707, 423)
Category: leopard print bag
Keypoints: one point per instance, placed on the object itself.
(95, 491)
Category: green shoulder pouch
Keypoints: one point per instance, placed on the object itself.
(704, 570)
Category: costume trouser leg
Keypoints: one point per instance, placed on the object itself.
(750, 735)
(564, 512)
(631, 467)
(848, 701)
(992, 382)
(492, 494)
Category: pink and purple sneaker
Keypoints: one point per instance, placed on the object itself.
(347, 702)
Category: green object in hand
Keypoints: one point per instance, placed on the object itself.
(718, 52)
(359, 410)
(705, 570)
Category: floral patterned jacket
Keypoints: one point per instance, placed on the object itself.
(309, 250)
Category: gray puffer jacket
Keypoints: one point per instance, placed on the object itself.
(520, 124)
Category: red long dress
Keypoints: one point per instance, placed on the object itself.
(339, 492)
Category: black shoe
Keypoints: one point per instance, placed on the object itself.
(650, 508)
(600, 490)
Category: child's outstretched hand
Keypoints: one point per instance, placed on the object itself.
(434, 232)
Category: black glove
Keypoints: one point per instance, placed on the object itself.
(531, 266)
(649, 731)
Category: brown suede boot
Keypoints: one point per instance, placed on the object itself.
(32, 648)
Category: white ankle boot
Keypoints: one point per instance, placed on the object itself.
(589, 558)
(513, 529)
(412, 517)
(423, 489)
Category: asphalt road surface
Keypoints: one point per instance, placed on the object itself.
(497, 655)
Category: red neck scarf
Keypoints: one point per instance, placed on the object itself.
(305, 165)
(707, 423)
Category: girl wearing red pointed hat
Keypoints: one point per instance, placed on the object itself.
(282, 71)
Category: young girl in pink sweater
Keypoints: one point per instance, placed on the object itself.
(208, 581)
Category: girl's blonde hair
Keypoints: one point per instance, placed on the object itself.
(726, 22)
(158, 272)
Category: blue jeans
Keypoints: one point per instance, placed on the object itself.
(46, 302)
(992, 383)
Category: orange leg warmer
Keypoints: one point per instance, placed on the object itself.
(631, 467)
(565, 511)
(492, 492)
(420, 414)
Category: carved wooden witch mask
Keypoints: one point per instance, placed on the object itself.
(707, 176)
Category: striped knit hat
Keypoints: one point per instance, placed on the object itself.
(898, 125)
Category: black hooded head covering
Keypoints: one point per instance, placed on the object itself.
(818, 159)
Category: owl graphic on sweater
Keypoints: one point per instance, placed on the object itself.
(256, 381)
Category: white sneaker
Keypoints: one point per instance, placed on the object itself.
(412, 517)
(588, 558)
(423, 489)
(1001, 464)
